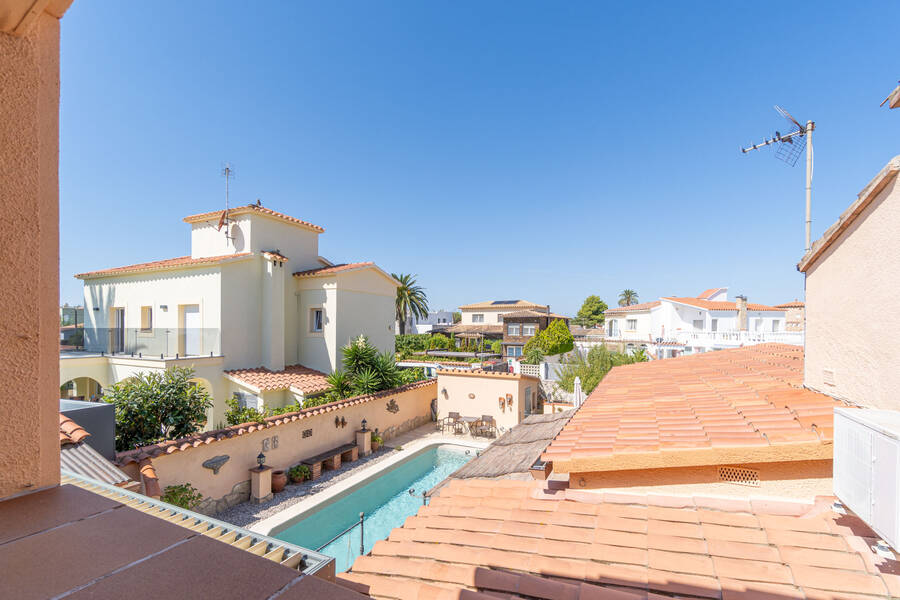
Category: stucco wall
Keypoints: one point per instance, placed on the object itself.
(454, 390)
(795, 479)
(241, 301)
(29, 312)
(414, 409)
(851, 314)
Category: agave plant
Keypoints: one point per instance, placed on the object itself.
(386, 369)
(340, 383)
(366, 382)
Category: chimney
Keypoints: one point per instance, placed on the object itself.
(741, 302)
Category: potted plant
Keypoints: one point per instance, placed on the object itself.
(376, 442)
(279, 480)
(299, 473)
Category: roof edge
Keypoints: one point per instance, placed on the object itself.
(863, 200)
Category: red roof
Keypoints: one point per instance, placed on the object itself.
(333, 269)
(633, 307)
(252, 208)
(488, 539)
(794, 304)
(719, 305)
(725, 407)
(169, 263)
(307, 380)
(70, 432)
(707, 293)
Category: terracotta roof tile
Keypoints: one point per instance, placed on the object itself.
(249, 209)
(792, 304)
(333, 269)
(274, 255)
(719, 305)
(70, 432)
(169, 263)
(633, 307)
(692, 410)
(710, 292)
(308, 381)
(532, 313)
(208, 437)
(465, 542)
(499, 304)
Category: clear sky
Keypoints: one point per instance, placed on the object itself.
(535, 150)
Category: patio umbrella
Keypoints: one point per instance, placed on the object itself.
(578, 395)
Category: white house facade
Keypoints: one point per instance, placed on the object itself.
(254, 305)
(672, 326)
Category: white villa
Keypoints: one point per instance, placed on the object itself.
(254, 309)
(672, 326)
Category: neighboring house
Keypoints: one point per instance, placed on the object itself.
(71, 315)
(434, 322)
(254, 309)
(852, 279)
(485, 319)
(794, 315)
(672, 326)
(521, 326)
(507, 397)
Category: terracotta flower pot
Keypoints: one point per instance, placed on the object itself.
(376, 446)
(279, 480)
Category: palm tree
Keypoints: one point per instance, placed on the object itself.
(411, 300)
(628, 297)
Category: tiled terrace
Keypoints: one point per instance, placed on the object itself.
(513, 539)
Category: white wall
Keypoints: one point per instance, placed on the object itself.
(241, 301)
(491, 315)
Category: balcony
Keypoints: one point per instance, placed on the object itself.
(159, 343)
(735, 339)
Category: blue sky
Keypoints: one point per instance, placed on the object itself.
(543, 151)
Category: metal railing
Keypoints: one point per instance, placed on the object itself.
(736, 338)
(362, 531)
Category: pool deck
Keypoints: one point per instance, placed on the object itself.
(411, 442)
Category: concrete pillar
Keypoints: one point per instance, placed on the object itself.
(260, 485)
(29, 266)
(364, 442)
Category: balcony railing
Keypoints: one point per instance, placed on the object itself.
(163, 342)
(738, 338)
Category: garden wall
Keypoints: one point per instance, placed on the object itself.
(284, 439)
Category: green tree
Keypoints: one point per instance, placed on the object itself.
(439, 341)
(157, 406)
(593, 367)
(555, 339)
(628, 297)
(358, 355)
(410, 301)
(497, 347)
(591, 312)
(457, 317)
(533, 355)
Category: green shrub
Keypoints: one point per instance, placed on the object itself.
(299, 473)
(237, 414)
(593, 368)
(183, 495)
(439, 341)
(555, 339)
(497, 347)
(417, 342)
(157, 406)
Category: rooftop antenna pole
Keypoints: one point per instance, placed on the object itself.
(228, 173)
(789, 148)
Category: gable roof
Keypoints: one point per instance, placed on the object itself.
(731, 406)
(705, 295)
(532, 313)
(331, 270)
(162, 265)
(793, 304)
(261, 379)
(500, 304)
(512, 539)
(633, 307)
(719, 305)
(863, 200)
(253, 209)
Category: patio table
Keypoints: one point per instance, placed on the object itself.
(469, 421)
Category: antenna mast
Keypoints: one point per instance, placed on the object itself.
(789, 148)
(228, 173)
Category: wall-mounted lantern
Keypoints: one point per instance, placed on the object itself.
(340, 422)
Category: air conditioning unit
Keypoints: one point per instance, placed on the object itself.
(867, 467)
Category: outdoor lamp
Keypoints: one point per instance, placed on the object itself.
(261, 460)
(364, 424)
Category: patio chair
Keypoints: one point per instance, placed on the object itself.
(486, 426)
(451, 421)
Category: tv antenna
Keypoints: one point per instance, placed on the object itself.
(228, 173)
(790, 146)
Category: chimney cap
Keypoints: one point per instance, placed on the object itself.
(742, 297)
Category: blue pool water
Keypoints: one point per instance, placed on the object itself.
(385, 501)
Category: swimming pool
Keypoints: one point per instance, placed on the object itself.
(385, 502)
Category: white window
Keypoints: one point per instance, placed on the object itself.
(478, 318)
(514, 351)
(776, 325)
(757, 324)
(146, 318)
(316, 319)
(528, 329)
(714, 325)
(698, 324)
(631, 324)
(613, 328)
(499, 318)
(512, 329)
